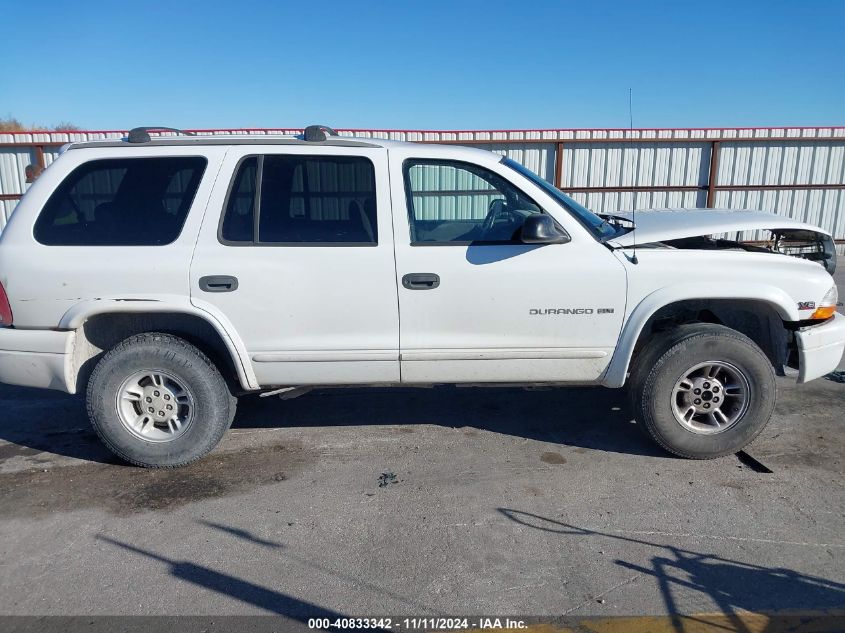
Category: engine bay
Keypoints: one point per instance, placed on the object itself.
(810, 245)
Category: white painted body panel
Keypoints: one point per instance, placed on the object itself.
(477, 325)
(820, 348)
(307, 315)
(44, 282)
(37, 358)
(658, 225)
(76, 316)
(665, 275)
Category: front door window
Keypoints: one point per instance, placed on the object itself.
(451, 202)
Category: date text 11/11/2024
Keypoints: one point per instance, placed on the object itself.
(416, 624)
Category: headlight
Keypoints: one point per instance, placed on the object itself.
(827, 306)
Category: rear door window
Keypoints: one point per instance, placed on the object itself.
(302, 200)
(121, 202)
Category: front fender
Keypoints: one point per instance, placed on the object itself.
(617, 370)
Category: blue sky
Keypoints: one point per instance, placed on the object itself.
(423, 64)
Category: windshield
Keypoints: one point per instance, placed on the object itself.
(600, 228)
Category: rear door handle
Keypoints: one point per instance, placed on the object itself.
(218, 283)
(421, 281)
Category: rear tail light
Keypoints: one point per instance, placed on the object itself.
(5, 309)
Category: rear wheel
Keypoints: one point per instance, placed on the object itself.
(157, 401)
(703, 391)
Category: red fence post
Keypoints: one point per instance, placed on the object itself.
(559, 165)
(714, 171)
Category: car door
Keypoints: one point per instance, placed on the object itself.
(476, 304)
(296, 250)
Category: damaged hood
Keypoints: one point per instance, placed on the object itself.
(659, 225)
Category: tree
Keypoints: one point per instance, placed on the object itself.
(11, 124)
(66, 126)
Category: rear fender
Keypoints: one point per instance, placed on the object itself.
(76, 317)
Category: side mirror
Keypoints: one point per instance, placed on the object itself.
(541, 229)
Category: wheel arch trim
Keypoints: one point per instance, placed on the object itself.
(617, 370)
(81, 312)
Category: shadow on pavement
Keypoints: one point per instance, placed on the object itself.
(355, 580)
(734, 586)
(36, 421)
(232, 586)
(587, 417)
(42, 421)
(240, 533)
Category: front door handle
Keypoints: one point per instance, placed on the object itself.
(421, 281)
(218, 283)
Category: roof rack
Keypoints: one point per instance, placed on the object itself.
(317, 133)
(142, 134)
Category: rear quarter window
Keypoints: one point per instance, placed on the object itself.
(121, 202)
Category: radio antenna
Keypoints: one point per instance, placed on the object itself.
(634, 259)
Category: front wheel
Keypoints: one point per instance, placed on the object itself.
(703, 391)
(157, 401)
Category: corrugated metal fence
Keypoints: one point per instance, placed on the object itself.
(795, 172)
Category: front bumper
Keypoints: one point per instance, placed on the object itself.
(37, 358)
(820, 348)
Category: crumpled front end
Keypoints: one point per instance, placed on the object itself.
(709, 229)
(801, 243)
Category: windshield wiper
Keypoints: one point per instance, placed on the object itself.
(619, 220)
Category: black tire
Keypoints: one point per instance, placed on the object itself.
(214, 405)
(665, 360)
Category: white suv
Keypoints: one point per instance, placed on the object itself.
(165, 276)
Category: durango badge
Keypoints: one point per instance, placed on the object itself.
(567, 311)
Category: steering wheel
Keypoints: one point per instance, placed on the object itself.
(497, 209)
